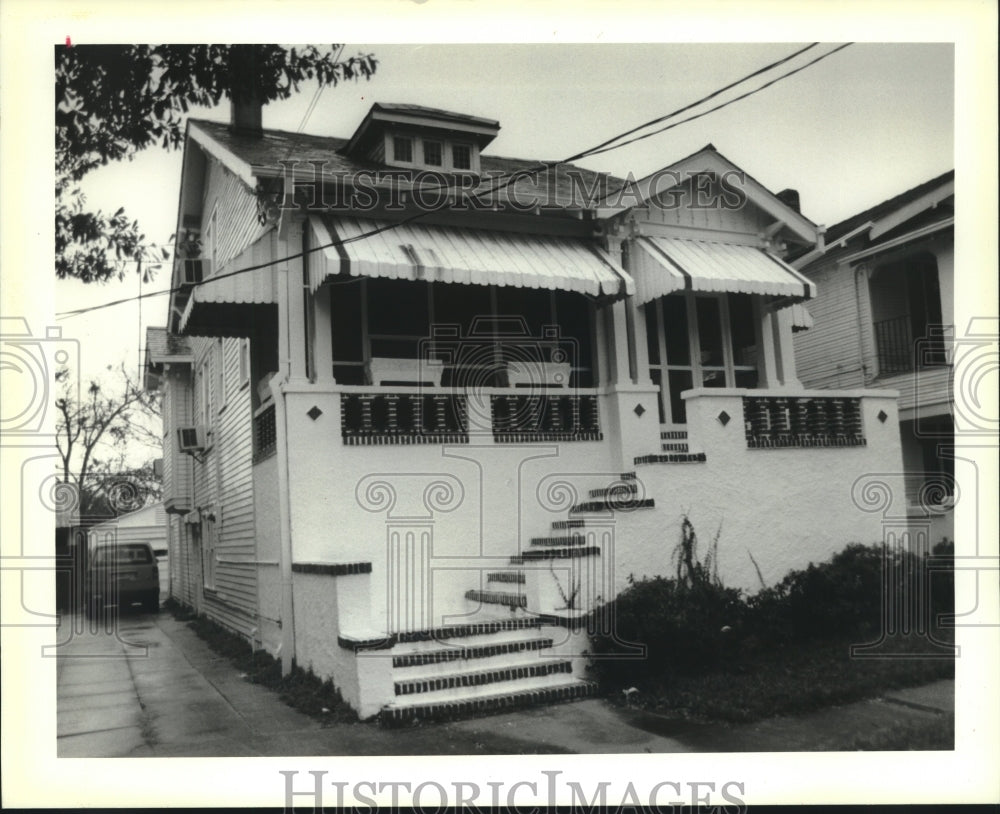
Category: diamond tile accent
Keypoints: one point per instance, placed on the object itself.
(314, 412)
(639, 410)
(724, 418)
(882, 416)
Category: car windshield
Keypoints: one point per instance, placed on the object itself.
(122, 555)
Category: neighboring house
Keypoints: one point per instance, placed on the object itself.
(884, 318)
(145, 525)
(408, 449)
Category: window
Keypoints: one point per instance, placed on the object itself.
(433, 153)
(244, 361)
(461, 156)
(208, 540)
(394, 319)
(699, 341)
(402, 149)
(211, 239)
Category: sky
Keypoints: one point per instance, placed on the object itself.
(866, 123)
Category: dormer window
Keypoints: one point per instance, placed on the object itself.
(433, 153)
(402, 149)
(461, 156)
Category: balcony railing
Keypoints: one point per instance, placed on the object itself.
(265, 436)
(774, 422)
(899, 352)
(403, 418)
(545, 417)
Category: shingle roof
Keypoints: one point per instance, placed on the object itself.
(566, 187)
(877, 211)
(434, 113)
(161, 344)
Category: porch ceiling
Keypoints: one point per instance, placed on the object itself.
(668, 264)
(471, 256)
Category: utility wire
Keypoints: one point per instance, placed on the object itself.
(532, 171)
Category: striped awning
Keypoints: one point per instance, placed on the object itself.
(238, 282)
(663, 265)
(415, 251)
(801, 318)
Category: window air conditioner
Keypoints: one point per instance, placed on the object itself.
(191, 439)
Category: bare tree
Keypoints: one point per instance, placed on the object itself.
(97, 435)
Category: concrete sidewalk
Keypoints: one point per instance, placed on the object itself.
(154, 689)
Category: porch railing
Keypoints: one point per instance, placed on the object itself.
(403, 418)
(900, 352)
(265, 436)
(545, 417)
(799, 421)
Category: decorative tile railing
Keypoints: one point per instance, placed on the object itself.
(775, 422)
(403, 418)
(545, 417)
(265, 435)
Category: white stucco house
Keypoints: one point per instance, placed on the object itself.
(884, 319)
(413, 435)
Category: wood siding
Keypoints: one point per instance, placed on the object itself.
(705, 211)
(236, 213)
(224, 484)
(833, 353)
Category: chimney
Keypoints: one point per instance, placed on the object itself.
(244, 91)
(790, 197)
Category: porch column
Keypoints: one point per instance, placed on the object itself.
(765, 339)
(616, 330)
(322, 336)
(641, 350)
(786, 348)
(291, 306)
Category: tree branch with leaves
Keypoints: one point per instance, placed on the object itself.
(113, 101)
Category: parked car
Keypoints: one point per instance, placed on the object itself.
(121, 575)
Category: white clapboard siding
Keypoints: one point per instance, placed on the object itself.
(235, 210)
(829, 354)
(235, 599)
(678, 207)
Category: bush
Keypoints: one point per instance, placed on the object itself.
(691, 624)
(685, 628)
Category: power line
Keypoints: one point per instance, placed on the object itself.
(605, 146)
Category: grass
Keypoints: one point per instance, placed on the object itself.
(791, 680)
(937, 734)
(300, 689)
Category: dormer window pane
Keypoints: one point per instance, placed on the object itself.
(461, 157)
(433, 153)
(402, 149)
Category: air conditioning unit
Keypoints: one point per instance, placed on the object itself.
(192, 439)
(194, 269)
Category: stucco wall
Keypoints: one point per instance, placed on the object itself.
(786, 507)
(476, 504)
(364, 680)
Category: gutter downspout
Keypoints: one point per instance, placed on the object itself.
(284, 508)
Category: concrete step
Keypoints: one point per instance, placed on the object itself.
(572, 539)
(507, 577)
(673, 435)
(577, 523)
(618, 490)
(554, 553)
(506, 598)
(671, 458)
(449, 705)
(483, 626)
(523, 631)
(610, 504)
(675, 446)
(465, 679)
(447, 655)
